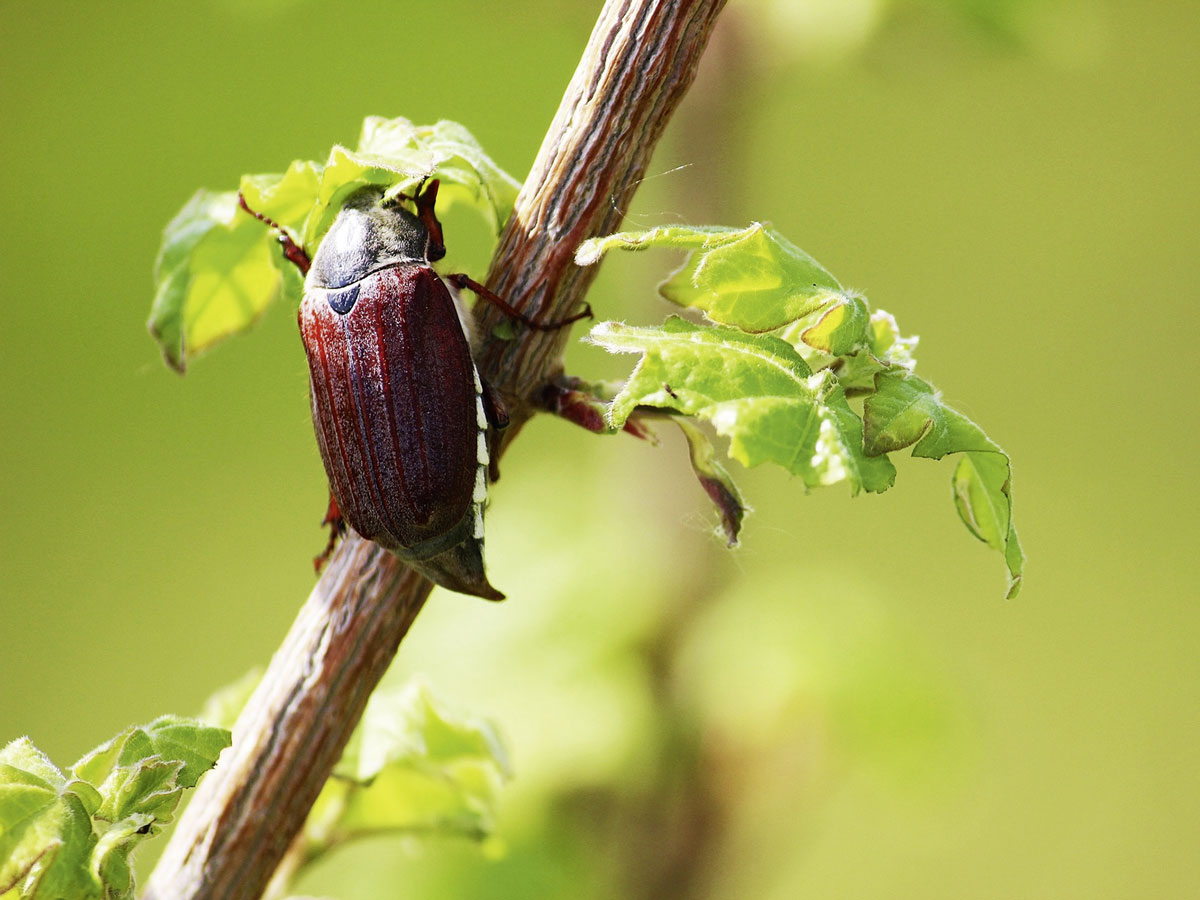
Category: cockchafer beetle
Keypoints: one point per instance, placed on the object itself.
(399, 408)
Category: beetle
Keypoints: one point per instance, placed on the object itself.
(401, 414)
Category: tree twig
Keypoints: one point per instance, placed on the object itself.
(640, 60)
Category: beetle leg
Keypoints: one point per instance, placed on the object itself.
(493, 407)
(292, 251)
(461, 281)
(337, 527)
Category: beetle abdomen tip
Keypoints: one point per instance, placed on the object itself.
(460, 569)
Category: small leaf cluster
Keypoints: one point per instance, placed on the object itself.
(796, 370)
(414, 766)
(68, 835)
(218, 269)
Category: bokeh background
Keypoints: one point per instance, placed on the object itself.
(846, 707)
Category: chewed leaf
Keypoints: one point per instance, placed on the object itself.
(144, 764)
(752, 278)
(756, 390)
(904, 411)
(783, 397)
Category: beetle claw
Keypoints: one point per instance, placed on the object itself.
(337, 527)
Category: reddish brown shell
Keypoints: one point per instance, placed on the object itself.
(395, 401)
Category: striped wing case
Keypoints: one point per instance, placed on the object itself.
(397, 409)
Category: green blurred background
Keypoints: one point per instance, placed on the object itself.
(846, 707)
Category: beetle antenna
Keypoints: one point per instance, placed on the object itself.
(292, 251)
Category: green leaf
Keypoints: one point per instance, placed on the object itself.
(149, 787)
(286, 199)
(851, 341)
(413, 765)
(397, 155)
(756, 390)
(45, 831)
(410, 725)
(888, 345)
(21, 755)
(66, 839)
(214, 277)
(983, 497)
(61, 871)
(907, 411)
(842, 328)
(782, 398)
(173, 739)
(752, 278)
(109, 862)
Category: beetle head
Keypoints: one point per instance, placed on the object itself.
(369, 234)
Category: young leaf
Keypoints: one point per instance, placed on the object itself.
(851, 341)
(906, 411)
(888, 345)
(783, 398)
(752, 278)
(288, 198)
(32, 814)
(842, 328)
(410, 728)
(398, 155)
(66, 839)
(110, 857)
(214, 277)
(194, 745)
(756, 390)
(412, 766)
(62, 840)
(22, 756)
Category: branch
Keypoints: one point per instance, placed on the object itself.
(640, 59)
